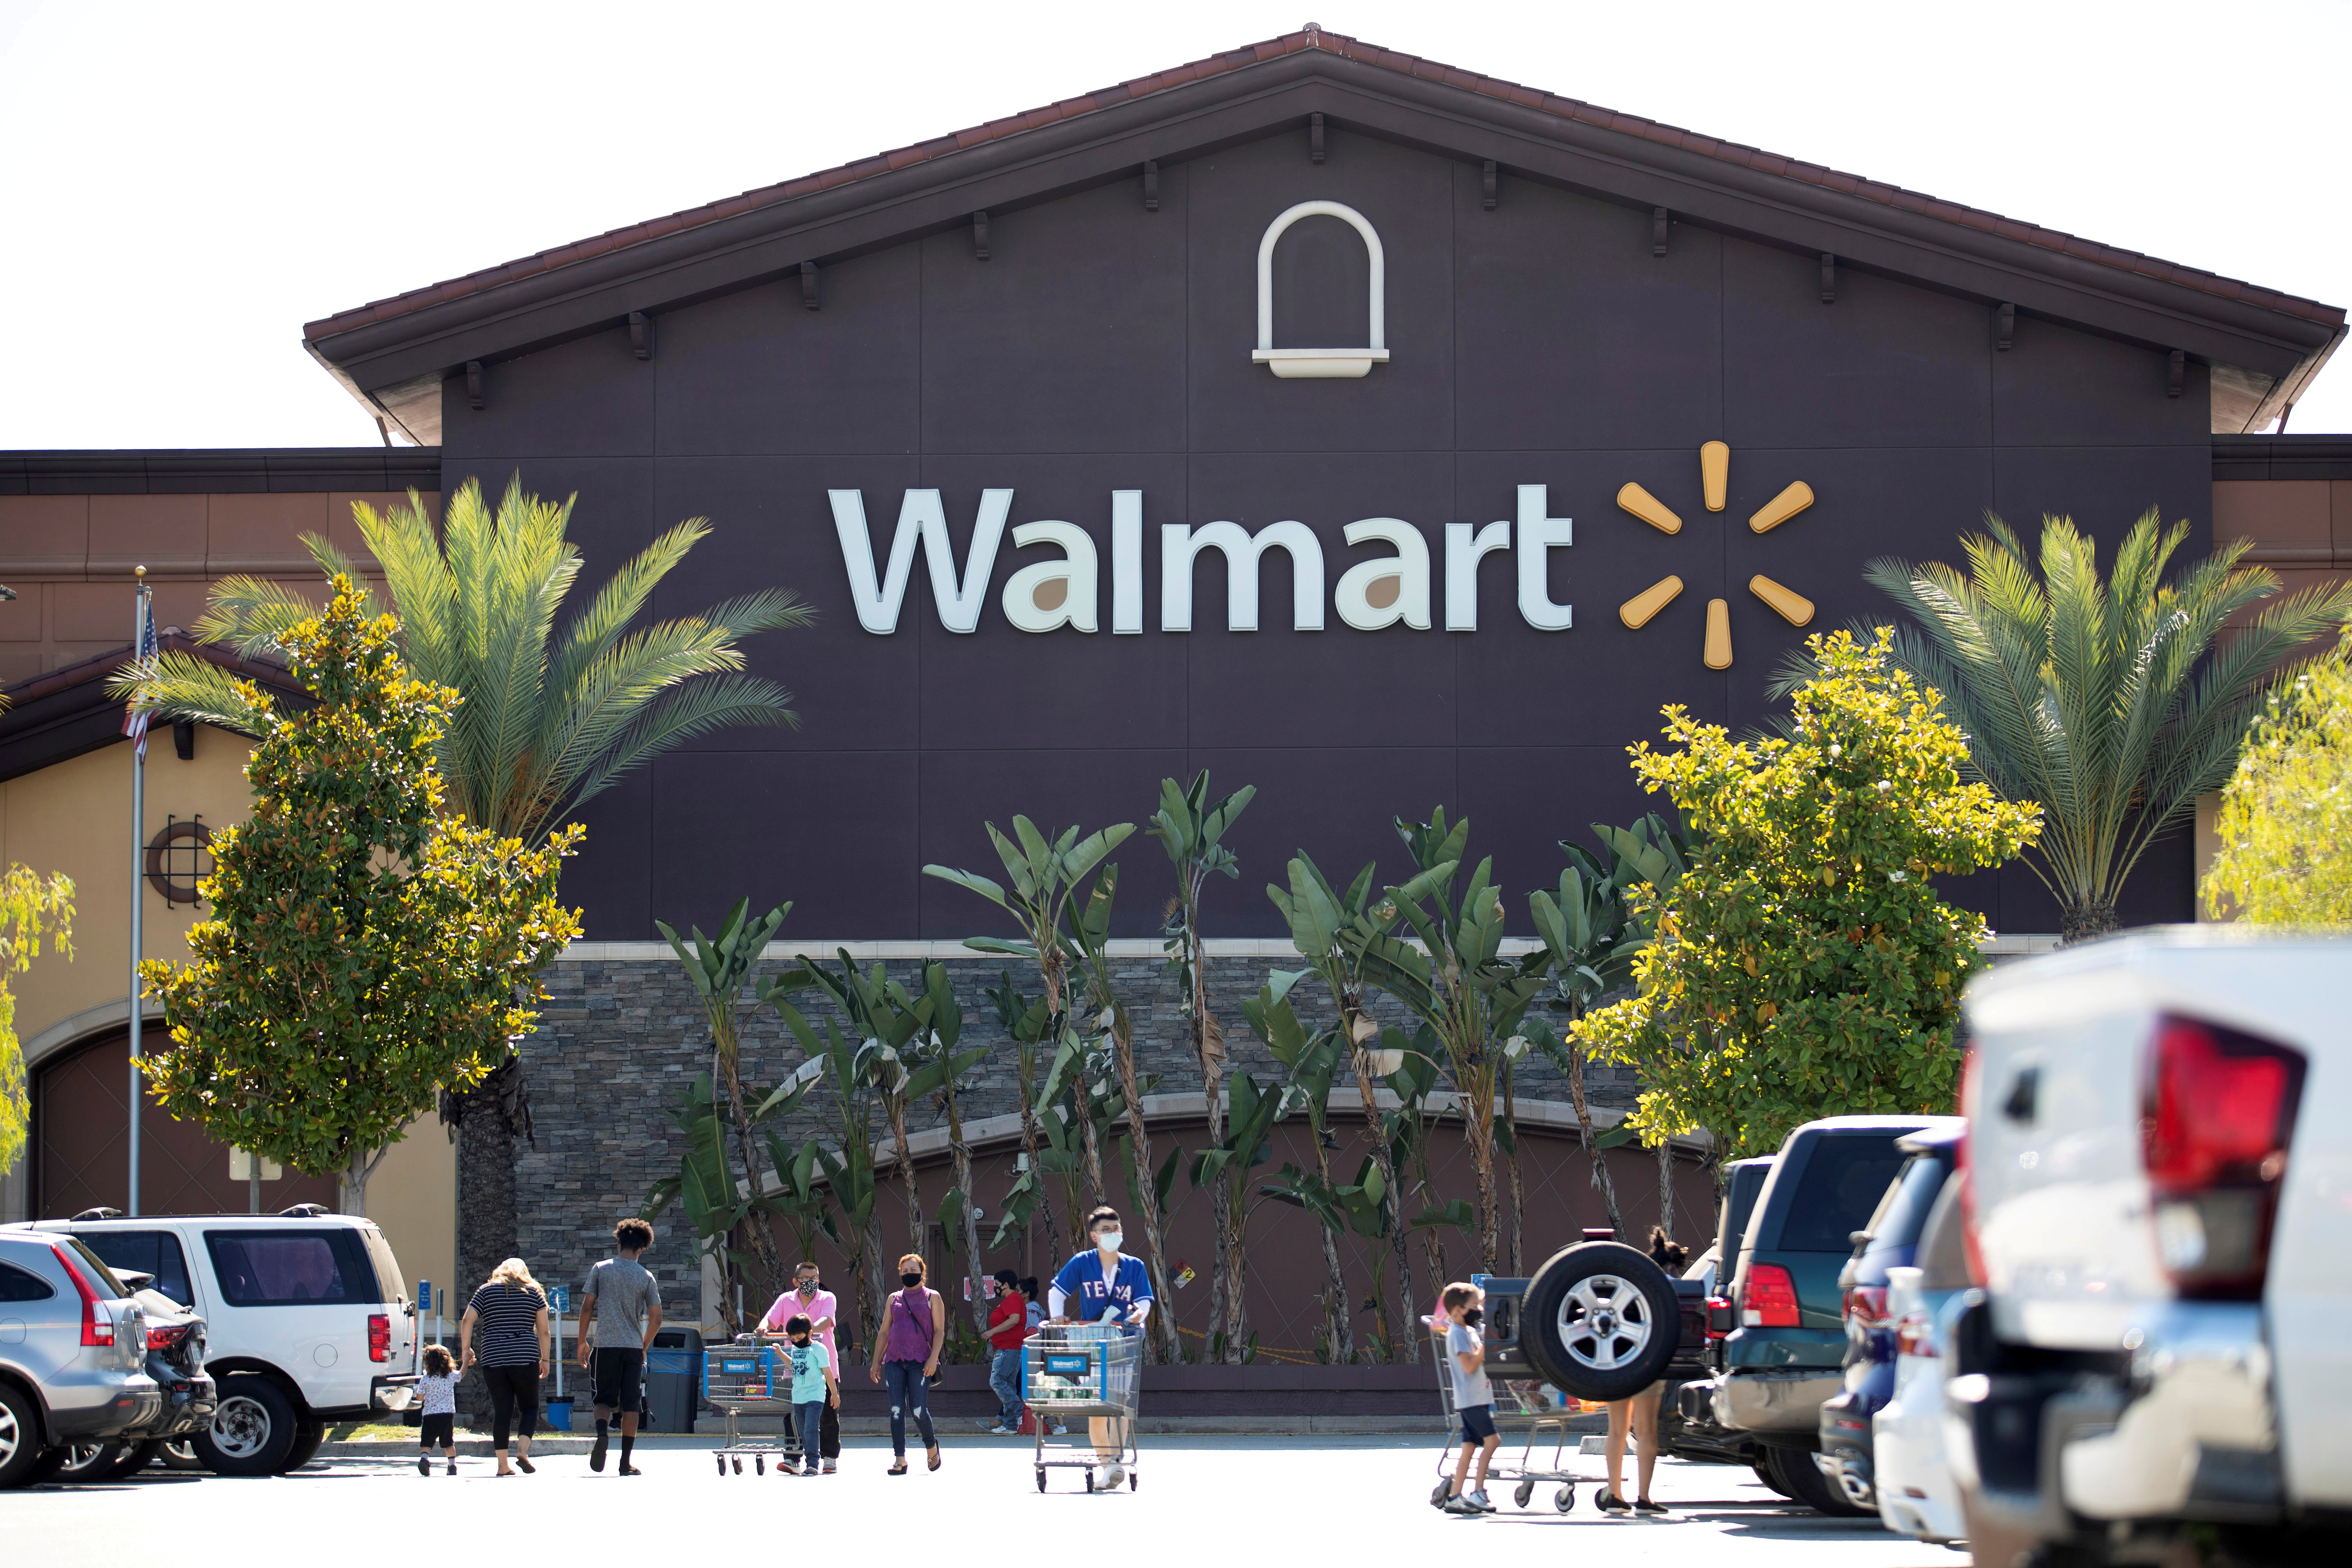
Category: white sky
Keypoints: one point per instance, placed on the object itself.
(181, 186)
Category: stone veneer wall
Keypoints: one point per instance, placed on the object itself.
(620, 1041)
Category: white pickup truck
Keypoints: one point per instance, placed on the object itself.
(2158, 1199)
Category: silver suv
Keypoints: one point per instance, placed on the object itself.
(73, 1352)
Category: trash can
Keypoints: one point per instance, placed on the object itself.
(673, 1380)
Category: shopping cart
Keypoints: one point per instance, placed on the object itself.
(749, 1379)
(1083, 1370)
(1523, 1408)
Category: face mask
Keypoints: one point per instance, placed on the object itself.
(808, 1287)
(911, 1280)
(801, 1339)
(1110, 1240)
(1474, 1315)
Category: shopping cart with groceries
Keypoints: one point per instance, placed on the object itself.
(1529, 1411)
(747, 1378)
(1083, 1371)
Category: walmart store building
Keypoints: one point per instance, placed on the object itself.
(1370, 432)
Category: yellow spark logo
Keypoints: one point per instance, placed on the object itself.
(1715, 478)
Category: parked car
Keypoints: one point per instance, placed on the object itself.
(1918, 1492)
(306, 1318)
(73, 1351)
(175, 1359)
(2156, 1169)
(1889, 1240)
(1783, 1356)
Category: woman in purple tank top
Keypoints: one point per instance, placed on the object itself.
(906, 1354)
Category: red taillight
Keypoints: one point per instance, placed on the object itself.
(379, 1337)
(1718, 1316)
(2218, 1112)
(97, 1326)
(1971, 1248)
(1771, 1300)
(164, 1337)
(1866, 1305)
(1915, 1335)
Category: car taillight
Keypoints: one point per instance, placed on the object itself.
(1770, 1299)
(1866, 1305)
(379, 1337)
(1720, 1318)
(163, 1337)
(1916, 1334)
(1971, 1248)
(2218, 1113)
(97, 1326)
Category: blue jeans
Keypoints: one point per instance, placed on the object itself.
(910, 1395)
(808, 1423)
(1004, 1377)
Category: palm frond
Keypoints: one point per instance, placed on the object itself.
(251, 615)
(176, 685)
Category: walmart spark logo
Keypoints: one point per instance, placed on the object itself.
(1715, 478)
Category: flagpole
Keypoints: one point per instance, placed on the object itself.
(138, 877)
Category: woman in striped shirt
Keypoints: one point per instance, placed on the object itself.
(504, 1332)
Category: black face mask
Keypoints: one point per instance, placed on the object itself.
(911, 1280)
(801, 1339)
(1475, 1316)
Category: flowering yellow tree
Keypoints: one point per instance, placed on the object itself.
(30, 908)
(1804, 965)
(2285, 823)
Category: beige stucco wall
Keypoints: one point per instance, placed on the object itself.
(413, 1198)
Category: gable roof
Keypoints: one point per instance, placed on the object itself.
(2265, 344)
(66, 711)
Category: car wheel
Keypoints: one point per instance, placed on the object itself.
(308, 1437)
(20, 1436)
(136, 1457)
(46, 1465)
(1764, 1473)
(1600, 1321)
(1801, 1481)
(252, 1430)
(88, 1462)
(180, 1454)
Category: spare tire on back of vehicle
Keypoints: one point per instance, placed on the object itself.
(1600, 1321)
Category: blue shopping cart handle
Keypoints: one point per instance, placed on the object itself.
(1068, 1365)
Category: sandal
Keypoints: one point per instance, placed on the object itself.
(934, 1457)
(898, 1468)
(522, 1463)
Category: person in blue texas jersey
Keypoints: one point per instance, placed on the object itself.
(1101, 1284)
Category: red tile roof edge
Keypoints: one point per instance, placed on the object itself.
(1314, 37)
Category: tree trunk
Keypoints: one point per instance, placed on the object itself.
(1666, 1186)
(766, 1281)
(1168, 1345)
(1225, 1313)
(1518, 1187)
(1032, 1133)
(1384, 1160)
(1337, 1307)
(2086, 920)
(963, 1154)
(1478, 1131)
(1236, 1326)
(916, 1228)
(1584, 1126)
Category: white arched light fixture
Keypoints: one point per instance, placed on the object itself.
(1302, 363)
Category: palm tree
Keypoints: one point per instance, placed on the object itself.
(2114, 704)
(549, 720)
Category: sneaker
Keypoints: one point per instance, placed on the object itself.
(1479, 1497)
(452, 1467)
(1114, 1478)
(423, 1466)
(1610, 1502)
(1002, 1430)
(1643, 1505)
(828, 1467)
(1460, 1503)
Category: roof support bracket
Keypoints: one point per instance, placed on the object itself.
(474, 387)
(641, 334)
(2005, 333)
(1659, 223)
(1829, 279)
(1151, 185)
(2178, 374)
(809, 300)
(980, 235)
(1314, 138)
(1487, 183)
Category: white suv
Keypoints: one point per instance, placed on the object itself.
(305, 1314)
(2154, 1199)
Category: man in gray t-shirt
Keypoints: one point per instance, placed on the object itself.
(1474, 1396)
(622, 1299)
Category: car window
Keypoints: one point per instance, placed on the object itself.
(289, 1268)
(387, 1268)
(1747, 1178)
(155, 1252)
(1902, 1212)
(1843, 1179)
(101, 1275)
(19, 1285)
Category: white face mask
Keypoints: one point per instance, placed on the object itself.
(1109, 1240)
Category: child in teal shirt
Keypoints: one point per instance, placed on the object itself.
(813, 1387)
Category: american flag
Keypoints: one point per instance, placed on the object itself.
(134, 718)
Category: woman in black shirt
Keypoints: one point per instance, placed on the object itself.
(504, 1331)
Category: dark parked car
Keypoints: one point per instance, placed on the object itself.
(1783, 1356)
(1890, 1240)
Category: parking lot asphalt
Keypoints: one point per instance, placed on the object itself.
(1343, 1499)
